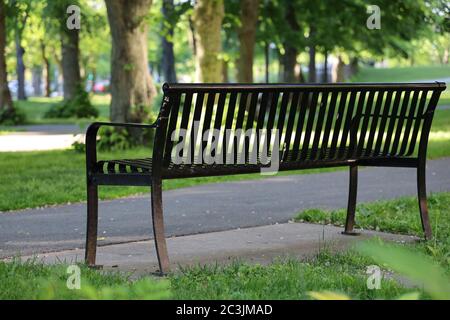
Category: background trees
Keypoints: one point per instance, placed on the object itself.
(129, 43)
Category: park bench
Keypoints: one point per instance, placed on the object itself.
(316, 126)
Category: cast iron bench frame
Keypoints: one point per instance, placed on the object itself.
(395, 110)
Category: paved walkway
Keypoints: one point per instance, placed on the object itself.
(208, 208)
(41, 137)
(256, 245)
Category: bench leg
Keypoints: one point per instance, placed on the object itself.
(158, 228)
(92, 221)
(422, 195)
(351, 207)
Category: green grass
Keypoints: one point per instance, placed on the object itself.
(343, 273)
(36, 107)
(34, 179)
(398, 216)
(403, 74)
(32, 280)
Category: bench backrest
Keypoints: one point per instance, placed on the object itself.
(314, 121)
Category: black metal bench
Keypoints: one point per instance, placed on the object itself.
(318, 125)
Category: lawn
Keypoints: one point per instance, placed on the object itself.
(341, 273)
(36, 107)
(402, 74)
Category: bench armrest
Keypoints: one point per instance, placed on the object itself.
(91, 139)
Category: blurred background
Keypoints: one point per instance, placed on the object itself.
(88, 59)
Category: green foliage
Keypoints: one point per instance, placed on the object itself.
(34, 280)
(77, 107)
(283, 279)
(11, 117)
(416, 266)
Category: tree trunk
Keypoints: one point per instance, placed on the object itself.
(325, 68)
(36, 73)
(312, 64)
(47, 71)
(20, 67)
(266, 61)
(289, 63)
(289, 59)
(6, 102)
(70, 62)
(207, 18)
(168, 57)
(340, 70)
(132, 89)
(225, 71)
(312, 56)
(246, 35)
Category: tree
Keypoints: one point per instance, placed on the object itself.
(5, 95)
(20, 11)
(132, 88)
(247, 34)
(168, 57)
(69, 39)
(207, 19)
(7, 110)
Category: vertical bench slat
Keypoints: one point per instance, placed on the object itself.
(418, 122)
(250, 124)
(331, 108)
(218, 119)
(309, 125)
(173, 117)
(374, 125)
(261, 117)
(290, 123)
(239, 123)
(354, 124)
(409, 122)
(271, 119)
(365, 122)
(196, 119)
(300, 123)
(384, 118)
(318, 128)
(207, 119)
(392, 119)
(345, 116)
(400, 122)
(228, 123)
(281, 118)
(187, 106)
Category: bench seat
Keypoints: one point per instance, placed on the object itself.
(144, 166)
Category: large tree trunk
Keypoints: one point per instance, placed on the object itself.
(36, 73)
(132, 87)
(70, 62)
(168, 57)
(20, 67)
(289, 59)
(312, 56)
(207, 18)
(5, 95)
(289, 63)
(312, 64)
(47, 71)
(325, 68)
(246, 35)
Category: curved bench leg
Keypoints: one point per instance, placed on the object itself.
(351, 207)
(92, 222)
(158, 228)
(422, 196)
